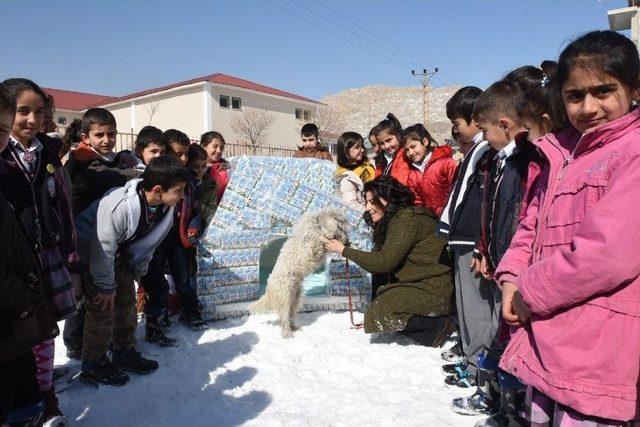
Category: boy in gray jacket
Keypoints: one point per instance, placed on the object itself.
(130, 222)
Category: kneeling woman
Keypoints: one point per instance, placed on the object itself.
(417, 299)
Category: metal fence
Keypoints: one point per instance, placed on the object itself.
(126, 141)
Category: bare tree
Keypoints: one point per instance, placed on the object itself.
(152, 108)
(330, 121)
(254, 125)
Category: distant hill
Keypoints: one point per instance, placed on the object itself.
(359, 109)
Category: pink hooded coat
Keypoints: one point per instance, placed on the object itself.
(576, 261)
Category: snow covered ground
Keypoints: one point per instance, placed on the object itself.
(240, 371)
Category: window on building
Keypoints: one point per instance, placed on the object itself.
(307, 115)
(224, 101)
(62, 120)
(236, 103)
(298, 113)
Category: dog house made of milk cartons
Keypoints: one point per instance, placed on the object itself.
(264, 199)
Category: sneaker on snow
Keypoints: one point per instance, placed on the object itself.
(104, 373)
(193, 320)
(154, 334)
(454, 354)
(476, 404)
(132, 361)
(462, 381)
(454, 368)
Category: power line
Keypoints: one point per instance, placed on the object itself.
(338, 35)
(342, 27)
(420, 61)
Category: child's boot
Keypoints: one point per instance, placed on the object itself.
(193, 319)
(132, 361)
(102, 372)
(155, 334)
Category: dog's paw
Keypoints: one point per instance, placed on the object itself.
(287, 333)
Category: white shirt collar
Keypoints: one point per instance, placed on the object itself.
(423, 164)
(478, 137)
(36, 145)
(507, 151)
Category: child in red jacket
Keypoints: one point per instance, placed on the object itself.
(395, 163)
(432, 168)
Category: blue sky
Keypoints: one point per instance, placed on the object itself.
(121, 46)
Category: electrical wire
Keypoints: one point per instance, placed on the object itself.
(378, 54)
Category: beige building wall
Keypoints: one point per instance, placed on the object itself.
(196, 109)
(63, 118)
(181, 109)
(285, 130)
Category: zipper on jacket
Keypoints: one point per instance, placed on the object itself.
(546, 203)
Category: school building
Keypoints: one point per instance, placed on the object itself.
(199, 105)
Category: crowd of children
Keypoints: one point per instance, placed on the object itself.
(534, 207)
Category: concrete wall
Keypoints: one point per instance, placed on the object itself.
(185, 109)
(181, 109)
(285, 130)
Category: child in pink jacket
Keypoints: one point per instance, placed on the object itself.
(570, 279)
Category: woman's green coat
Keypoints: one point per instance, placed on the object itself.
(420, 280)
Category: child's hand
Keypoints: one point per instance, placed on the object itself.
(484, 269)
(105, 301)
(521, 308)
(334, 246)
(508, 312)
(192, 233)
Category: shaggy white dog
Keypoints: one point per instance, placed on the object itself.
(301, 254)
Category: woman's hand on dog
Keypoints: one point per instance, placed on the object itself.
(334, 246)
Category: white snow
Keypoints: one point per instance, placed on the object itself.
(241, 371)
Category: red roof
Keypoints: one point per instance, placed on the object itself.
(216, 78)
(78, 101)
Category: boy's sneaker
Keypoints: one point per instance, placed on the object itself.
(462, 381)
(193, 320)
(454, 354)
(132, 361)
(453, 368)
(476, 404)
(104, 373)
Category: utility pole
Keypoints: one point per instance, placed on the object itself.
(424, 78)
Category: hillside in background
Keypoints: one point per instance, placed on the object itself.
(360, 109)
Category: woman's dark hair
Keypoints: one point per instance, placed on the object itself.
(207, 137)
(606, 51)
(391, 124)
(526, 77)
(395, 194)
(17, 85)
(418, 132)
(462, 102)
(346, 141)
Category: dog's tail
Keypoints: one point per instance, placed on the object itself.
(263, 305)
